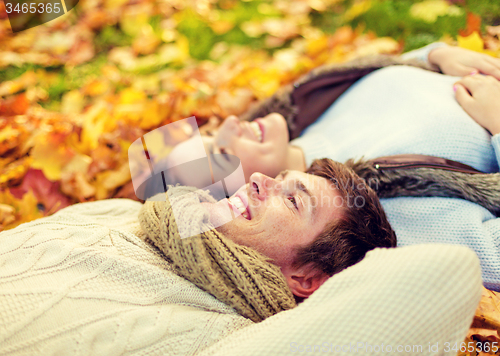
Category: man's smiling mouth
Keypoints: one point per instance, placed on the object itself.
(238, 204)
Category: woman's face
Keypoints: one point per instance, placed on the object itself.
(261, 145)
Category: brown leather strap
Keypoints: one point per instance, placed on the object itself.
(421, 161)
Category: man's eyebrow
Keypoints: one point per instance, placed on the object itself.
(302, 187)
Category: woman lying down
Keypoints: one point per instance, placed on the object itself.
(117, 277)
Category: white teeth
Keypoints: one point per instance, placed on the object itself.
(239, 205)
(256, 128)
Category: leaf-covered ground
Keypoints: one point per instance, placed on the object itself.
(76, 92)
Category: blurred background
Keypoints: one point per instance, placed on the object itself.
(78, 90)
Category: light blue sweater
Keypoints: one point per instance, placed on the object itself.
(397, 110)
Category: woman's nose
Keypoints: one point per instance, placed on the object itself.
(262, 186)
(229, 129)
(232, 124)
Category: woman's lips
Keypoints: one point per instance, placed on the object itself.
(261, 125)
(255, 128)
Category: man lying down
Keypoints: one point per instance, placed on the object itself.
(116, 277)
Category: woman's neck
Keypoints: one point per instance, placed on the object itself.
(295, 159)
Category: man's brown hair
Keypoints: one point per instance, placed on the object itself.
(361, 227)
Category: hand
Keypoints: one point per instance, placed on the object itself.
(478, 95)
(460, 62)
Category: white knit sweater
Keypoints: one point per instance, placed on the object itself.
(81, 282)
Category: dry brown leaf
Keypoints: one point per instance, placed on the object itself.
(7, 214)
(488, 312)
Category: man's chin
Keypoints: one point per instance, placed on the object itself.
(221, 215)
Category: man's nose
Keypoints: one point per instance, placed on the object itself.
(262, 186)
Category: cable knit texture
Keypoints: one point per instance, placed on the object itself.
(81, 282)
(236, 275)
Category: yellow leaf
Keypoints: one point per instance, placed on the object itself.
(96, 87)
(317, 45)
(50, 159)
(473, 42)
(131, 96)
(72, 102)
(114, 4)
(15, 170)
(151, 116)
(265, 85)
(8, 133)
(10, 87)
(108, 181)
(78, 164)
(94, 122)
(357, 9)
(220, 27)
(25, 209)
(174, 52)
(132, 20)
(430, 10)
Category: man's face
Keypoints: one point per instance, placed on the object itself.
(276, 216)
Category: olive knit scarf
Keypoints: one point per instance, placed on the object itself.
(236, 275)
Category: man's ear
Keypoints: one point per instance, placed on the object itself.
(303, 281)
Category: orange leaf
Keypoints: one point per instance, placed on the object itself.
(473, 25)
(17, 105)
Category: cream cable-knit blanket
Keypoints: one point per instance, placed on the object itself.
(82, 283)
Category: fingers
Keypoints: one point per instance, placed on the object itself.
(463, 96)
(463, 70)
(490, 66)
(471, 82)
